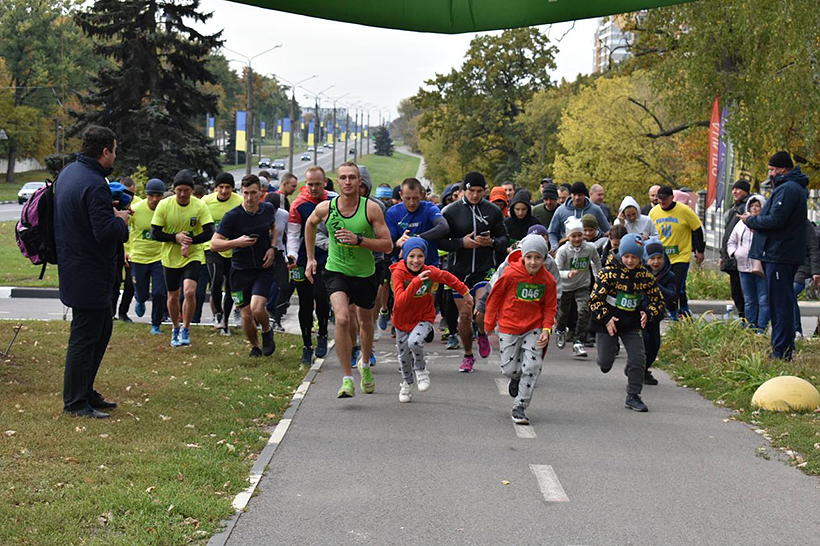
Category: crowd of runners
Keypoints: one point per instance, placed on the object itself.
(484, 260)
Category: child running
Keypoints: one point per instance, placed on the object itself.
(661, 268)
(578, 262)
(619, 310)
(522, 301)
(414, 311)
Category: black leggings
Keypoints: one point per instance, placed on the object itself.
(219, 269)
(308, 294)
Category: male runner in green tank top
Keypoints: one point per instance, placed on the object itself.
(357, 229)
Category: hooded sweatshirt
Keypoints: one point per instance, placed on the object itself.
(623, 293)
(642, 225)
(581, 259)
(549, 265)
(778, 238)
(448, 192)
(517, 228)
(300, 211)
(498, 193)
(567, 210)
(414, 297)
(520, 302)
(667, 284)
(740, 240)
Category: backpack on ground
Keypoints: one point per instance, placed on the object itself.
(35, 230)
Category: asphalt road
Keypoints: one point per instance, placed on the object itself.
(324, 160)
(370, 470)
(10, 212)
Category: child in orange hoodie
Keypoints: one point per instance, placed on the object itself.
(414, 310)
(523, 302)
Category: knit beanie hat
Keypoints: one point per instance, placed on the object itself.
(742, 185)
(155, 186)
(589, 221)
(533, 243)
(224, 178)
(579, 188)
(652, 247)
(410, 244)
(631, 243)
(573, 225)
(550, 191)
(474, 180)
(396, 192)
(538, 229)
(781, 160)
(184, 178)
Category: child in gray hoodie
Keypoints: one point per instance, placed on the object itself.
(577, 262)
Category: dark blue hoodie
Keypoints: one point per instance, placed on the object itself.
(780, 228)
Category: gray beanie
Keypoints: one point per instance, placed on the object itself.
(533, 243)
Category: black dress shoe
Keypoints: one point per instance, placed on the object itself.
(125, 318)
(98, 401)
(88, 412)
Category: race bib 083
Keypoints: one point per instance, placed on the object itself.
(628, 302)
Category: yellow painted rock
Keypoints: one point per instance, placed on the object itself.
(786, 393)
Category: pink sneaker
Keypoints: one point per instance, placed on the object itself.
(467, 364)
(484, 348)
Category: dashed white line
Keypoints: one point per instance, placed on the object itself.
(548, 482)
(502, 384)
(524, 431)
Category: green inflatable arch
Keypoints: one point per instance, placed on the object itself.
(455, 16)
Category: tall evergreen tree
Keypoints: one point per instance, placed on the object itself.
(149, 95)
(384, 144)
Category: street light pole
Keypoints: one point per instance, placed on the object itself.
(293, 114)
(316, 131)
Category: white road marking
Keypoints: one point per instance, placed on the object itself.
(502, 384)
(549, 484)
(524, 431)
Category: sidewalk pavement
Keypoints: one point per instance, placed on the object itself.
(451, 468)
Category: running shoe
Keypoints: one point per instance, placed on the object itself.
(422, 380)
(484, 348)
(445, 336)
(256, 352)
(578, 349)
(512, 388)
(277, 327)
(467, 364)
(268, 343)
(175, 338)
(155, 331)
(226, 331)
(185, 337)
(377, 335)
(649, 379)
(452, 343)
(354, 356)
(405, 394)
(384, 315)
(307, 356)
(393, 332)
(519, 417)
(139, 308)
(125, 318)
(218, 320)
(347, 390)
(560, 338)
(634, 402)
(372, 359)
(321, 346)
(368, 384)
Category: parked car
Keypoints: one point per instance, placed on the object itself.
(311, 149)
(264, 163)
(305, 157)
(279, 165)
(352, 151)
(28, 190)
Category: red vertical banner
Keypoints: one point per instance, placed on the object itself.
(714, 153)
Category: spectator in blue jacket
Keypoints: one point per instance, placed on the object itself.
(780, 243)
(88, 232)
(576, 206)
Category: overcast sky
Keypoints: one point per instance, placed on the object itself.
(376, 66)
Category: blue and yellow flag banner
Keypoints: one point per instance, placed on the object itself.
(343, 134)
(301, 124)
(286, 132)
(241, 124)
(330, 133)
(311, 138)
(211, 127)
(262, 129)
(366, 127)
(279, 126)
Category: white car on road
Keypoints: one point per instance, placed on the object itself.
(28, 190)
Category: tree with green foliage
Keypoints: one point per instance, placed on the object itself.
(384, 144)
(151, 96)
(473, 110)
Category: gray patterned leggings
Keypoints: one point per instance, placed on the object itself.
(520, 360)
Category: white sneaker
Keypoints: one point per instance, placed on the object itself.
(578, 349)
(798, 336)
(225, 332)
(422, 380)
(377, 334)
(404, 392)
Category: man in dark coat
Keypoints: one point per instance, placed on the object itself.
(780, 243)
(740, 193)
(88, 232)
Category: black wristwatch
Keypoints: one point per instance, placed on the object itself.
(359, 239)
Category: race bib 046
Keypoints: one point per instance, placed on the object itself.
(529, 292)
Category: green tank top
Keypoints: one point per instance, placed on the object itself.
(350, 260)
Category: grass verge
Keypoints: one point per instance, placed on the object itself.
(707, 284)
(165, 468)
(392, 169)
(8, 191)
(727, 362)
(15, 269)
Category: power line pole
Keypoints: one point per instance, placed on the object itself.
(369, 136)
(249, 124)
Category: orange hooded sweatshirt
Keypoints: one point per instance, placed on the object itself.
(498, 193)
(521, 302)
(413, 298)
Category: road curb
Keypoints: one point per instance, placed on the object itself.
(8, 202)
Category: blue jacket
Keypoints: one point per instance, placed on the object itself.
(87, 233)
(568, 210)
(780, 228)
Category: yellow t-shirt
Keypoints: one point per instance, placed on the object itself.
(175, 218)
(129, 248)
(675, 228)
(218, 209)
(142, 248)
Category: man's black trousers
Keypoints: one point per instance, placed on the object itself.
(90, 333)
